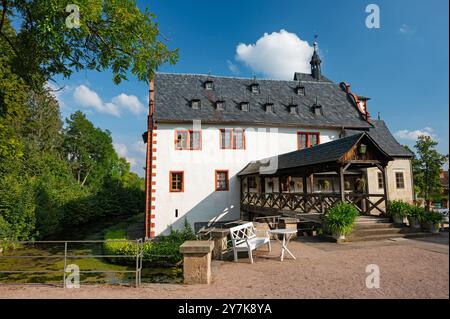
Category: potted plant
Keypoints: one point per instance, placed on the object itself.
(432, 221)
(326, 185)
(397, 210)
(340, 220)
(415, 216)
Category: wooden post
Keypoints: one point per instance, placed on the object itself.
(385, 186)
(305, 193)
(342, 183)
(262, 185)
(305, 186)
(279, 184)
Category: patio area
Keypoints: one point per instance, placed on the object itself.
(409, 268)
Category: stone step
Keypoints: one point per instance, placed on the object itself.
(372, 220)
(378, 231)
(364, 226)
(389, 236)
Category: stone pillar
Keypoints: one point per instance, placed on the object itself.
(220, 239)
(289, 223)
(197, 261)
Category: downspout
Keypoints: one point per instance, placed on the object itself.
(149, 162)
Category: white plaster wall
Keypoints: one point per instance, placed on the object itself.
(398, 165)
(200, 202)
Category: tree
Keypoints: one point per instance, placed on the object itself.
(428, 165)
(43, 122)
(112, 34)
(88, 149)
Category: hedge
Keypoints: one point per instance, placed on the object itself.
(164, 250)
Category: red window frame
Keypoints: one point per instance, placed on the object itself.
(308, 140)
(176, 190)
(233, 139)
(189, 142)
(227, 180)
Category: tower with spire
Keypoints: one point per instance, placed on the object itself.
(315, 62)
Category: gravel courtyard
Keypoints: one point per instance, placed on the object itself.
(409, 268)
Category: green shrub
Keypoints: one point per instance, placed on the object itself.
(164, 250)
(433, 218)
(398, 208)
(341, 218)
(416, 212)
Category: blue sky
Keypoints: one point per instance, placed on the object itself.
(402, 66)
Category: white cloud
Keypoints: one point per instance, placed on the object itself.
(129, 102)
(277, 55)
(90, 99)
(233, 67)
(413, 135)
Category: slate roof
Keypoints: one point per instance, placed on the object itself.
(323, 153)
(384, 138)
(173, 93)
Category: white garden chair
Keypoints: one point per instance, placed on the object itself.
(243, 238)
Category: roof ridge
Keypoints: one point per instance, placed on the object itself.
(246, 78)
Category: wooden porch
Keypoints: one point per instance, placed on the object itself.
(285, 184)
(299, 203)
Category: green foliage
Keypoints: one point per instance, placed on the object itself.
(89, 150)
(416, 212)
(398, 208)
(163, 250)
(426, 167)
(341, 218)
(433, 218)
(113, 34)
(53, 178)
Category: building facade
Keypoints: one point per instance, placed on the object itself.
(203, 130)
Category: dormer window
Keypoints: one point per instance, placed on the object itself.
(245, 106)
(220, 105)
(300, 90)
(293, 109)
(195, 104)
(269, 107)
(317, 109)
(254, 87)
(209, 85)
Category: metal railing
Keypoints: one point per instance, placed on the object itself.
(138, 256)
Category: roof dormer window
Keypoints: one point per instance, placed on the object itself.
(195, 104)
(269, 107)
(293, 109)
(245, 106)
(209, 85)
(300, 90)
(254, 87)
(220, 105)
(317, 108)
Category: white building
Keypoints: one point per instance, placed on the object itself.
(204, 130)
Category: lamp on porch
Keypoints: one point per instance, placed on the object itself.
(362, 149)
